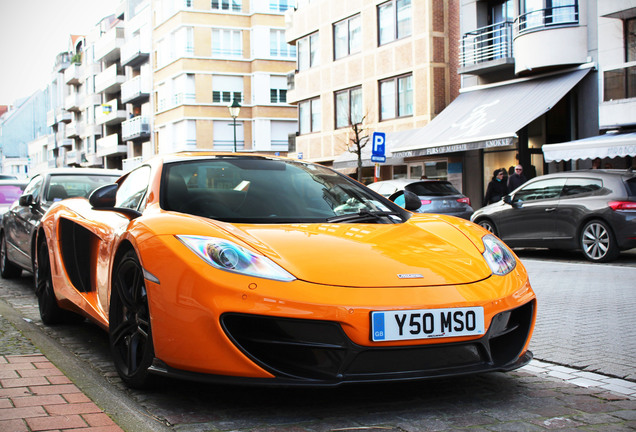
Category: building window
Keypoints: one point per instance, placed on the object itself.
(226, 88)
(620, 82)
(542, 13)
(394, 20)
(309, 116)
(308, 51)
(278, 95)
(630, 39)
(278, 46)
(347, 35)
(279, 5)
(227, 43)
(348, 107)
(226, 5)
(396, 97)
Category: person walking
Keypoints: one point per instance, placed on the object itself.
(516, 179)
(497, 188)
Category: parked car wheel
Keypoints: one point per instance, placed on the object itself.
(598, 243)
(50, 312)
(8, 270)
(130, 331)
(487, 224)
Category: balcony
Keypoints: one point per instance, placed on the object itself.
(73, 74)
(61, 140)
(90, 130)
(110, 80)
(91, 100)
(130, 163)
(135, 90)
(137, 128)
(72, 130)
(107, 48)
(618, 108)
(486, 49)
(110, 146)
(72, 102)
(134, 52)
(90, 70)
(50, 118)
(61, 115)
(550, 37)
(110, 113)
(62, 61)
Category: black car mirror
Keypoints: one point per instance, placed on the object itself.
(406, 199)
(25, 200)
(507, 199)
(104, 196)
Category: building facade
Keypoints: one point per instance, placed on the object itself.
(371, 66)
(208, 55)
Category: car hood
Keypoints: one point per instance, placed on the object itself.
(422, 252)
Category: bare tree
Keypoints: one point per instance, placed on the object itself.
(357, 140)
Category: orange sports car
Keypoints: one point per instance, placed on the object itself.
(270, 270)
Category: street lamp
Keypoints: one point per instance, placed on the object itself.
(235, 109)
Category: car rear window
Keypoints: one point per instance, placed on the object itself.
(631, 186)
(433, 188)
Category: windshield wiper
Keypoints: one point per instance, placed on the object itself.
(365, 215)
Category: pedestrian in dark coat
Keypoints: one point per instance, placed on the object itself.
(516, 179)
(497, 188)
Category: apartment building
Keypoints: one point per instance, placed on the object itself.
(208, 55)
(375, 66)
(535, 73)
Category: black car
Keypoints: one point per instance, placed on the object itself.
(437, 196)
(592, 210)
(10, 191)
(19, 223)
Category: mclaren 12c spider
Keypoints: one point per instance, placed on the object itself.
(266, 270)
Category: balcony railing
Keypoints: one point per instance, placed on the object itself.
(109, 44)
(135, 128)
(110, 80)
(110, 113)
(109, 146)
(135, 89)
(541, 18)
(620, 83)
(228, 145)
(485, 44)
(73, 74)
(134, 52)
(72, 102)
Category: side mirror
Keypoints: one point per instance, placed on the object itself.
(406, 199)
(507, 199)
(25, 200)
(104, 196)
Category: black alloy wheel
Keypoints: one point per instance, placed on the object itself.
(129, 323)
(50, 312)
(598, 243)
(8, 270)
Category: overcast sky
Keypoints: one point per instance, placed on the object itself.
(33, 32)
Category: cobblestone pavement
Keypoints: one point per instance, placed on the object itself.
(555, 392)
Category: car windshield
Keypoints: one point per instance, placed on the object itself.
(75, 185)
(432, 188)
(259, 189)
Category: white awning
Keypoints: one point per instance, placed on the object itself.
(489, 116)
(610, 145)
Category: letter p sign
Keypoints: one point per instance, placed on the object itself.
(378, 150)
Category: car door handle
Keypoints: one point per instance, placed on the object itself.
(551, 209)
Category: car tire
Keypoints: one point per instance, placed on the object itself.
(130, 333)
(8, 270)
(50, 312)
(597, 242)
(488, 225)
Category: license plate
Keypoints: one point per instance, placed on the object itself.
(427, 323)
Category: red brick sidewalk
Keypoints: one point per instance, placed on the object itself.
(36, 396)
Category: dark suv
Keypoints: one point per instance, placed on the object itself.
(593, 211)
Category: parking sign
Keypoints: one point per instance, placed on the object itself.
(378, 139)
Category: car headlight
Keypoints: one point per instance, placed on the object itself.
(499, 258)
(225, 255)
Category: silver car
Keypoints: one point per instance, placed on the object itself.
(437, 196)
(592, 210)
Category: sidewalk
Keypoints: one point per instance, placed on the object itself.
(36, 396)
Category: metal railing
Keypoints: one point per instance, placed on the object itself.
(554, 16)
(486, 44)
